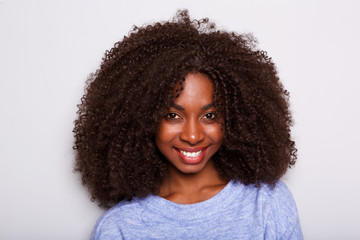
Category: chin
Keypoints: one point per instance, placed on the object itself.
(190, 168)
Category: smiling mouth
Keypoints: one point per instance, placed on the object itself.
(191, 157)
(190, 154)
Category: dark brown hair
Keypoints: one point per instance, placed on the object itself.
(125, 99)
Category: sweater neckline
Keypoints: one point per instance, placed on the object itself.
(202, 209)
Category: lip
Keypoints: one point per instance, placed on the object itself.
(191, 160)
(187, 149)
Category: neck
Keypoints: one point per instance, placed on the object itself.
(191, 187)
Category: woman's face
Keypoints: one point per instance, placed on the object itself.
(190, 134)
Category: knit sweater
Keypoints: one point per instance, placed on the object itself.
(236, 212)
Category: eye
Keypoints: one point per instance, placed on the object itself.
(172, 116)
(210, 116)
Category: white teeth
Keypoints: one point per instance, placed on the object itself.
(191, 154)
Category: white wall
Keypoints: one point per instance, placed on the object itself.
(48, 48)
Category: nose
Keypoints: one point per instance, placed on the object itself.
(192, 132)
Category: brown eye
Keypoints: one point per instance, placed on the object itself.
(210, 116)
(172, 116)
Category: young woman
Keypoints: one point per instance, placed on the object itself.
(184, 132)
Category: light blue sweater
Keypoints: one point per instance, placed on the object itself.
(236, 212)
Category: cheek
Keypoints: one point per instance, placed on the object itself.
(166, 133)
(216, 134)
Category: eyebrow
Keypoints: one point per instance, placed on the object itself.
(180, 108)
(206, 107)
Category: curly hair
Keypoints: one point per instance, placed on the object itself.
(126, 98)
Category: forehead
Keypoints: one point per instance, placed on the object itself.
(197, 87)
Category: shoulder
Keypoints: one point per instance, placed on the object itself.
(265, 194)
(273, 208)
(281, 219)
(280, 200)
(109, 225)
(279, 195)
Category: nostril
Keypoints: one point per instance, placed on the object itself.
(192, 138)
(192, 131)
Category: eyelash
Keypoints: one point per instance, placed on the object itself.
(175, 116)
(213, 116)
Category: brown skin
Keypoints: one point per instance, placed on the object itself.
(192, 126)
(133, 89)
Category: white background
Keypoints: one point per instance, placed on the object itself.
(48, 48)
